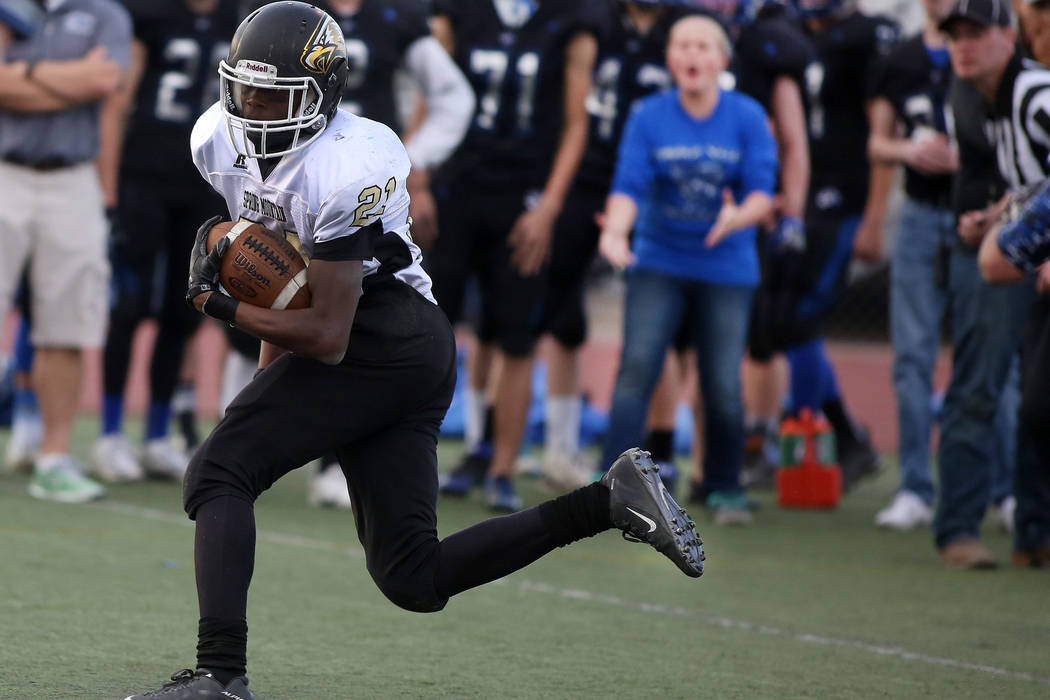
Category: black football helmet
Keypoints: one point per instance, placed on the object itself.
(291, 47)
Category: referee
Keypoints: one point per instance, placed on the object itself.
(981, 41)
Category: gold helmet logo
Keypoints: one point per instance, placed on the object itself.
(324, 46)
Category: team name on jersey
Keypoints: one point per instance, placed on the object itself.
(260, 205)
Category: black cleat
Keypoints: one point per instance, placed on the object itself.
(198, 685)
(640, 505)
(858, 460)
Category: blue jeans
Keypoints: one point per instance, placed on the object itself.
(979, 419)
(655, 305)
(917, 305)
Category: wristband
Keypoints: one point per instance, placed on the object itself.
(221, 307)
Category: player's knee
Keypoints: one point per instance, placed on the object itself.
(206, 479)
(569, 327)
(412, 593)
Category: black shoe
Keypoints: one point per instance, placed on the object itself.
(198, 685)
(857, 460)
(640, 506)
(470, 473)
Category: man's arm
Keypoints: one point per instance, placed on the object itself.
(531, 234)
(995, 268)
(113, 121)
(68, 83)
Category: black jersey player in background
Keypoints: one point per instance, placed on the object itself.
(530, 65)
(770, 56)
(385, 40)
(177, 44)
(846, 202)
(630, 65)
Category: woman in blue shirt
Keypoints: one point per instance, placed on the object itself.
(695, 174)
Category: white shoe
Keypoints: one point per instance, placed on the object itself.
(907, 512)
(27, 432)
(112, 460)
(160, 457)
(328, 489)
(565, 471)
(1004, 514)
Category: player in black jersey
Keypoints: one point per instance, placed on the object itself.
(530, 65)
(384, 40)
(176, 46)
(846, 201)
(630, 65)
(770, 56)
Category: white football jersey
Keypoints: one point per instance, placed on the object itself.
(348, 183)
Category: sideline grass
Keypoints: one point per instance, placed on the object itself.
(98, 601)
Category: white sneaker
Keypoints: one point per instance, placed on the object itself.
(907, 512)
(59, 478)
(328, 489)
(27, 432)
(1004, 514)
(112, 460)
(566, 472)
(160, 457)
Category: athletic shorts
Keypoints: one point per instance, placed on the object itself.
(472, 243)
(573, 248)
(797, 290)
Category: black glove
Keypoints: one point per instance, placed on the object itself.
(204, 274)
(789, 236)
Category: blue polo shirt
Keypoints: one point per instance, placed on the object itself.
(71, 29)
(675, 167)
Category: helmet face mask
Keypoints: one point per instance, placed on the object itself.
(288, 60)
(269, 137)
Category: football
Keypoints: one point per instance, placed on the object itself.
(261, 267)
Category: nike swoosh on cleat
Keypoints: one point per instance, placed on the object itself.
(650, 521)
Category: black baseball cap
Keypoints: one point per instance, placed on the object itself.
(987, 13)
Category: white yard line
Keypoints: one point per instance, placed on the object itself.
(615, 601)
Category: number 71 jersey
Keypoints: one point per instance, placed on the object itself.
(341, 197)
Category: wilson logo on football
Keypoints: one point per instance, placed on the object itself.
(323, 47)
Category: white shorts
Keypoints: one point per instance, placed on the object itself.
(55, 223)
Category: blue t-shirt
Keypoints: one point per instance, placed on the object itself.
(675, 167)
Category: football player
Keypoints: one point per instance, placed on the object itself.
(383, 39)
(845, 208)
(368, 369)
(630, 65)
(160, 195)
(530, 65)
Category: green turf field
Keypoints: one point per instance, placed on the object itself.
(98, 601)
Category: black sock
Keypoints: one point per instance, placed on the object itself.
(224, 558)
(221, 647)
(578, 514)
(660, 444)
(835, 412)
(500, 546)
(490, 422)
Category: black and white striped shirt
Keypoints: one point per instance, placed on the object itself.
(1021, 123)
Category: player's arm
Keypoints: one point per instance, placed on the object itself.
(789, 121)
(867, 243)
(995, 267)
(1021, 245)
(320, 331)
(531, 234)
(113, 120)
(448, 103)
